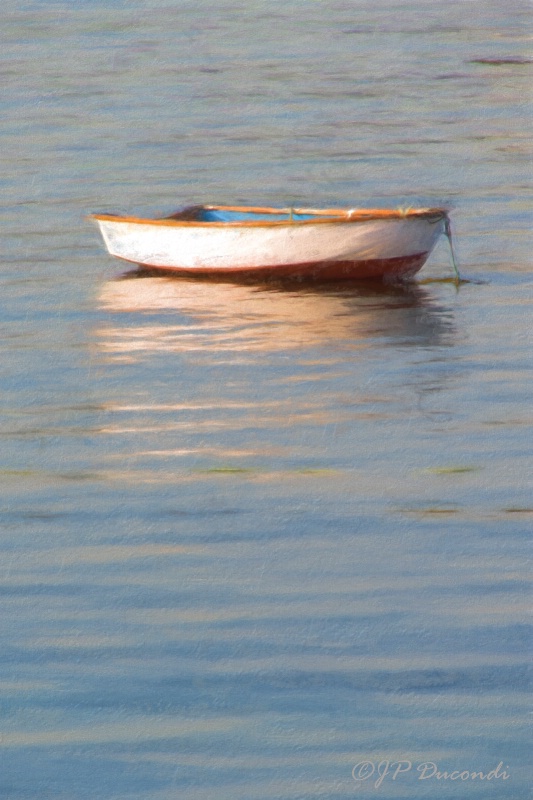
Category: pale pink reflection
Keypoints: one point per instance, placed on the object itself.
(237, 318)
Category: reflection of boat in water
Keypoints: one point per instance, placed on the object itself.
(188, 316)
(262, 243)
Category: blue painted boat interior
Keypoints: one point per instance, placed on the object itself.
(222, 215)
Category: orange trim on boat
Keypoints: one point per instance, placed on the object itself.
(333, 215)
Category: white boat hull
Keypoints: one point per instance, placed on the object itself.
(391, 246)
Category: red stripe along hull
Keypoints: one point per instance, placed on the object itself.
(381, 269)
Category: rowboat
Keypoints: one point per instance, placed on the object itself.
(264, 243)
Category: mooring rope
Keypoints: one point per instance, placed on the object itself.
(448, 234)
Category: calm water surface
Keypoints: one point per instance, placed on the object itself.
(252, 537)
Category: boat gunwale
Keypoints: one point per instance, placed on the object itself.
(333, 216)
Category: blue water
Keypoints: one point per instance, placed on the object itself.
(255, 539)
